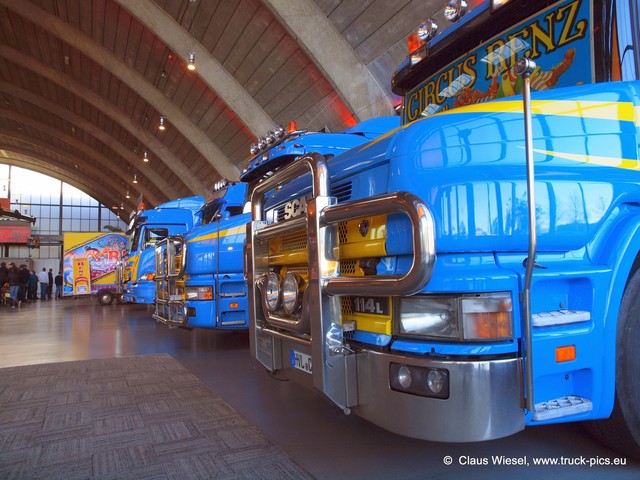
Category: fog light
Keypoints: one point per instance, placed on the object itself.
(404, 376)
(435, 381)
(422, 381)
(273, 291)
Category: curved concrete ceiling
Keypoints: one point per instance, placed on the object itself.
(85, 83)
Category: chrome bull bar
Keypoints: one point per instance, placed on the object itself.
(334, 363)
(169, 303)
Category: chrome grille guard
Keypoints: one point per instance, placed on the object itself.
(335, 374)
(169, 304)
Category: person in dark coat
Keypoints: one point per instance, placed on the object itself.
(58, 281)
(4, 273)
(50, 287)
(24, 282)
(33, 285)
(4, 283)
(14, 285)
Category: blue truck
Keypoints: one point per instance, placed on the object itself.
(199, 277)
(476, 270)
(135, 271)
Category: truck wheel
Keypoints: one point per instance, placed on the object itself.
(621, 431)
(105, 297)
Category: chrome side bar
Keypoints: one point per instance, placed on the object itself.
(524, 68)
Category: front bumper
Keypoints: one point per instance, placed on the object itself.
(143, 292)
(485, 400)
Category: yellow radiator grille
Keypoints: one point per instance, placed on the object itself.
(342, 232)
(301, 270)
(350, 268)
(347, 309)
(290, 242)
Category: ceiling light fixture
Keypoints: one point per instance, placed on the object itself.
(121, 205)
(192, 61)
(128, 195)
(135, 178)
(145, 157)
(161, 126)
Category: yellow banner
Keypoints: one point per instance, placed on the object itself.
(81, 276)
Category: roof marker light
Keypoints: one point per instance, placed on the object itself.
(427, 30)
(455, 9)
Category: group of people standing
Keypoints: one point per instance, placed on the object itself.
(21, 284)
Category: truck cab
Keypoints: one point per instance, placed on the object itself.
(146, 229)
(436, 283)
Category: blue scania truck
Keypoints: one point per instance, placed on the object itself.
(476, 270)
(199, 277)
(136, 270)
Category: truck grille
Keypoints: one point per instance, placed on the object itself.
(341, 191)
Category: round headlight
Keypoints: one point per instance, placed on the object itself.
(435, 381)
(273, 291)
(291, 293)
(262, 143)
(455, 9)
(427, 30)
(254, 149)
(404, 376)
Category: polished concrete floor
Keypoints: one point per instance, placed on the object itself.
(322, 440)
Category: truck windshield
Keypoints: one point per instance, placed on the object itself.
(573, 42)
(211, 210)
(154, 235)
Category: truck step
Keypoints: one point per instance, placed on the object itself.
(561, 407)
(559, 317)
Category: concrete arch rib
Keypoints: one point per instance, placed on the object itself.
(209, 69)
(108, 109)
(334, 56)
(44, 167)
(91, 129)
(88, 186)
(102, 56)
(78, 145)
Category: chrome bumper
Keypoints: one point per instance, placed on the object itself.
(485, 399)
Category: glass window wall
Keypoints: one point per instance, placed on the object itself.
(58, 208)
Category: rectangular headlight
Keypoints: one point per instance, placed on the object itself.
(200, 293)
(480, 317)
(429, 317)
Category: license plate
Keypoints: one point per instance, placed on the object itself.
(301, 361)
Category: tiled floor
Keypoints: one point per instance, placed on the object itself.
(318, 437)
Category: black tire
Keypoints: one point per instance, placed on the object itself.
(621, 431)
(105, 297)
